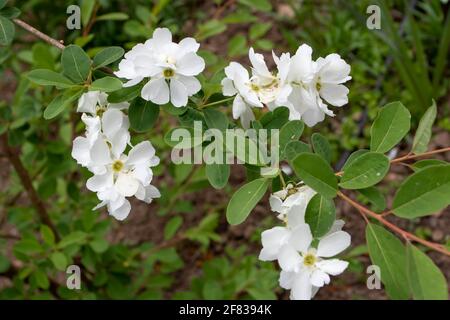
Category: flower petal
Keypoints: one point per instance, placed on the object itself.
(122, 212)
(334, 94)
(333, 244)
(289, 259)
(100, 182)
(156, 91)
(178, 93)
(191, 83)
(301, 238)
(140, 153)
(100, 154)
(301, 287)
(190, 64)
(319, 278)
(127, 185)
(332, 266)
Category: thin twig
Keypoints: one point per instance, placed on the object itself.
(409, 156)
(432, 245)
(39, 34)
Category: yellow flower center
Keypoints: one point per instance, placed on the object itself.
(168, 73)
(309, 260)
(254, 87)
(292, 191)
(117, 166)
(100, 111)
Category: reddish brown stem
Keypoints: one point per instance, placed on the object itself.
(363, 210)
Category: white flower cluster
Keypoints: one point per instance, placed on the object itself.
(101, 150)
(299, 83)
(170, 67)
(304, 267)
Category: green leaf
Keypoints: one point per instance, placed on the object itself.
(374, 196)
(28, 246)
(365, 171)
(424, 192)
(7, 31)
(10, 13)
(245, 199)
(59, 261)
(388, 253)
(258, 30)
(4, 263)
(3, 3)
(46, 77)
(60, 103)
(423, 133)
(43, 57)
(316, 173)
(47, 235)
(41, 279)
(419, 165)
(143, 114)
(275, 119)
(216, 119)
(425, 279)
(218, 174)
(75, 63)
(113, 16)
(99, 245)
(172, 227)
(106, 84)
(320, 215)
(76, 237)
(87, 7)
(261, 5)
(124, 94)
(321, 146)
(209, 29)
(107, 56)
(291, 131)
(353, 157)
(237, 45)
(390, 126)
(294, 148)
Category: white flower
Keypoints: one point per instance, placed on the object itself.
(259, 89)
(305, 268)
(291, 203)
(313, 81)
(104, 122)
(123, 176)
(171, 68)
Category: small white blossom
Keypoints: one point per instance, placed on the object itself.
(123, 176)
(261, 88)
(304, 268)
(315, 81)
(171, 68)
(292, 196)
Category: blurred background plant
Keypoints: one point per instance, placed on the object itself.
(181, 246)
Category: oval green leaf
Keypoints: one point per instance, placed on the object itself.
(321, 146)
(320, 215)
(106, 84)
(107, 56)
(143, 114)
(388, 253)
(316, 173)
(424, 192)
(425, 279)
(75, 63)
(423, 133)
(390, 126)
(245, 199)
(365, 171)
(218, 174)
